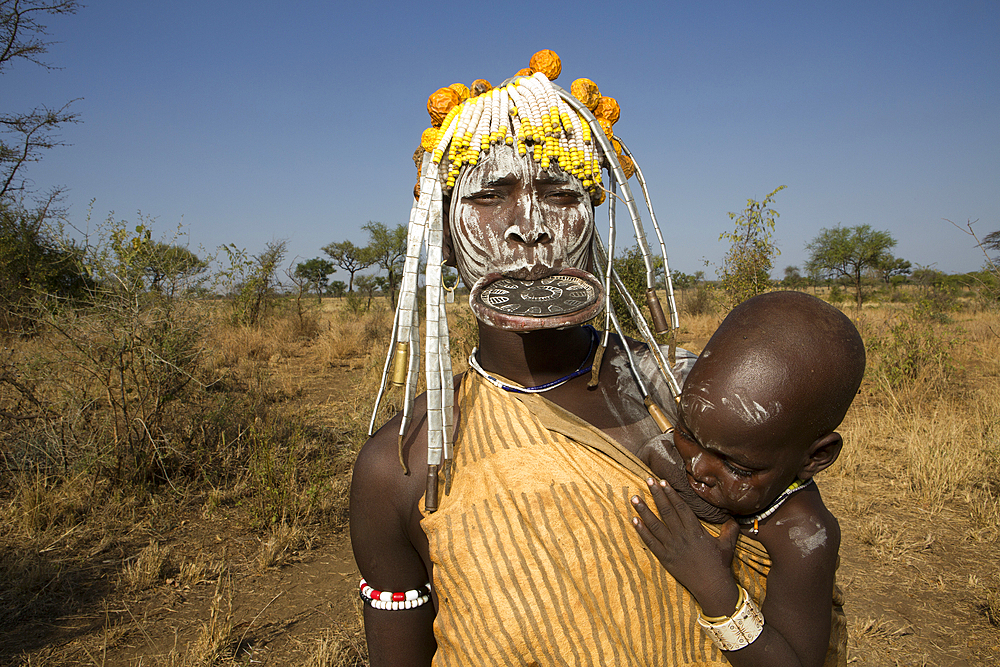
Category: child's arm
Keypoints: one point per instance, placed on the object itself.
(802, 540)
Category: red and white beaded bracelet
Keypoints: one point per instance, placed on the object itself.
(395, 601)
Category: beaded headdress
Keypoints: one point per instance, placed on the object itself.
(569, 130)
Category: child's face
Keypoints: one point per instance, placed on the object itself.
(733, 463)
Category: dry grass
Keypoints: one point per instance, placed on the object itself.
(41, 504)
(933, 438)
(991, 603)
(240, 347)
(200, 569)
(342, 646)
(216, 638)
(283, 541)
(880, 628)
(920, 473)
(924, 444)
(150, 567)
(696, 330)
(354, 335)
(232, 444)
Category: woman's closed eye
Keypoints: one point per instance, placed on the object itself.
(565, 197)
(484, 197)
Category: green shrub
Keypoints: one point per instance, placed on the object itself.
(631, 268)
(702, 302)
(910, 347)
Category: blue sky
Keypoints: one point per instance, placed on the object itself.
(248, 121)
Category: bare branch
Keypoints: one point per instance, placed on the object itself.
(35, 132)
(991, 241)
(21, 31)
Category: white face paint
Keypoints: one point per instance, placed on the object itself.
(509, 216)
(751, 411)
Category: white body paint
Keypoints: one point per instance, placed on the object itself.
(807, 538)
(624, 385)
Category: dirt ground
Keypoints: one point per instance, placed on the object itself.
(911, 599)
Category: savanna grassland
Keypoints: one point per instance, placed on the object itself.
(174, 482)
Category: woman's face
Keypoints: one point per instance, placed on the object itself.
(509, 216)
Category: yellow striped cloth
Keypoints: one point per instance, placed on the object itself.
(535, 559)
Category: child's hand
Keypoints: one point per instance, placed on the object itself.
(696, 559)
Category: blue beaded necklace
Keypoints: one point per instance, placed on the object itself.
(500, 384)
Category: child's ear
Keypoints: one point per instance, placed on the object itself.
(821, 455)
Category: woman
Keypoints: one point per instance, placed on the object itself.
(516, 547)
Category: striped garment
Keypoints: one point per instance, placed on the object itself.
(535, 559)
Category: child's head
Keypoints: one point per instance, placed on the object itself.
(760, 406)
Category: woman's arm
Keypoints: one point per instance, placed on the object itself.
(384, 515)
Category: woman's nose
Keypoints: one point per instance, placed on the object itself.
(529, 227)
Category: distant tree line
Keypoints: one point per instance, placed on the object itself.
(385, 252)
(855, 257)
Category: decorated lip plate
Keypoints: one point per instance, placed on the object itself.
(564, 299)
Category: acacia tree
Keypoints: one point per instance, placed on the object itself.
(31, 258)
(989, 277)
(25, 135)
(892, 267)
(793, 277)
(315, 272)
(367, 285)
(337, 288)
(746, 268)
(387, 249)
(348, 257)
(992, 242)
(849, 252)
(168, 266)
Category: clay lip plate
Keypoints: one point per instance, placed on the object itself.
(567, 298)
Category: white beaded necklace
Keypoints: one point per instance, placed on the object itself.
(500, 384)
(755, 519)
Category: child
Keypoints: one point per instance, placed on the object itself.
(756, 422)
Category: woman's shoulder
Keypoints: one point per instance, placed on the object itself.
(382, 457)
(398, 466)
